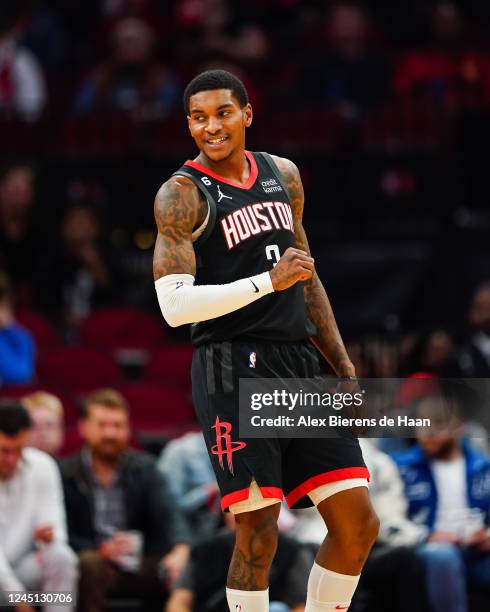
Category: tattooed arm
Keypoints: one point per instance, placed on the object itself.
(179, 209)
(327, 339)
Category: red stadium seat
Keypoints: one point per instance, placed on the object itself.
(45, 335)
(113, 329)
(156, 408)
(172, 363)
(81, 370)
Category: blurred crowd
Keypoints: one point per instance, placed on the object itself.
(106, 490)
(113, 525)
(127, 512)
(134, 56)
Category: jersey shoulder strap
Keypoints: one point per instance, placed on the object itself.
(212, 212)
(275, 171)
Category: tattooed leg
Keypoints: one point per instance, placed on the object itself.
(255, 547)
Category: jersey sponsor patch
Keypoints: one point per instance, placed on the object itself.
(271, 185)
(179, 284)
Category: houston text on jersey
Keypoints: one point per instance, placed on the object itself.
(254, 219)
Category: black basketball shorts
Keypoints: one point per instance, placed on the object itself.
(290, 467)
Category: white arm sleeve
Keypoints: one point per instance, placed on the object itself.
(183, 302)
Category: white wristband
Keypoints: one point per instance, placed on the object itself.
(183, 302)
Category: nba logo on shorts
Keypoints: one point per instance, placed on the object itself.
(238, 608)
(252, 359)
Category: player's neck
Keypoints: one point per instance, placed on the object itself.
(236, 167)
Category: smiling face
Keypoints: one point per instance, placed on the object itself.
(217, 123)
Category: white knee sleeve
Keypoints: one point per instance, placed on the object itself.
(329, 590)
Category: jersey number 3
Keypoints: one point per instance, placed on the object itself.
(272, 253)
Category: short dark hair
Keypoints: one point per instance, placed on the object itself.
(110, 398)
(216, 79)
(14, 418)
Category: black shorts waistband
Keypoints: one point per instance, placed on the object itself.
(256, 342)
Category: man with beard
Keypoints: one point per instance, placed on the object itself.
(447, 484)
(121, 518)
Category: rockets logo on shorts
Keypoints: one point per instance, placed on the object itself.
(252, 359)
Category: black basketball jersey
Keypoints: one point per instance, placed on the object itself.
(248, 229)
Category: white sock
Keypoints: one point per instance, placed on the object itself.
(328, 590)
(247, 601)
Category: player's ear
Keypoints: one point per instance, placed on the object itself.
(248, 114)
(189, 122)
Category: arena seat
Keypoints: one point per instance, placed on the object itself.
(78, 369)
(116, 329)
(157, 408)
(172, 363)
(44, 333)
(72, 442)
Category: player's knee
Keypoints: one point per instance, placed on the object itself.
(372, 529)
(358, 535)
(257, 532)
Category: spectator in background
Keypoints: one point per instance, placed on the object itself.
(348, 76)
(46, 412)
(200, 587)
(185, 464)
(17, 236)
(122, 519)
(149, 11)
(430, 353)
(77, 275)
(233, 37)
(447, 484)
(473, 359)
(22, 86)
(131, 81)
(33, 549)
(448, 71)
(17, 352)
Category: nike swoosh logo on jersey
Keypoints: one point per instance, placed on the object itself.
(256, 289)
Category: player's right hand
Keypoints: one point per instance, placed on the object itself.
(294, 266)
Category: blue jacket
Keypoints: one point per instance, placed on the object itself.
(17, 355)
(420, 487)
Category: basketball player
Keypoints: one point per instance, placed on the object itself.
(232, 259)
